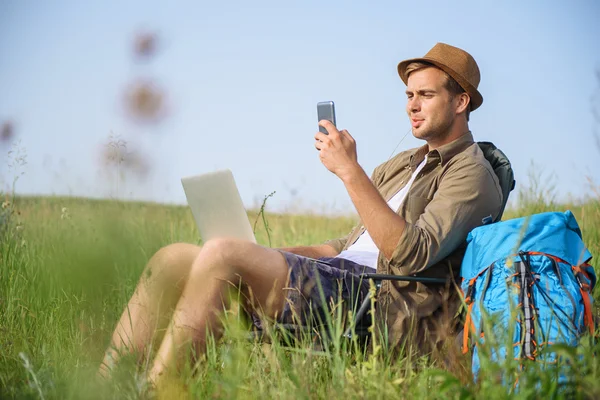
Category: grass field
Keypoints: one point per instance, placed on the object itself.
(68, 267)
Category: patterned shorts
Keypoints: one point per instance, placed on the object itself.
(317, 287)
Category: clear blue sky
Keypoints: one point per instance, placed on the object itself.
(243, 79)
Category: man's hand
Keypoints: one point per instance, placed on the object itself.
(337, 151)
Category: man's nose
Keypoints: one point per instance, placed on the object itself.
(414, 104)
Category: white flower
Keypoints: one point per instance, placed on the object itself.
(64, 213)
(5, 204)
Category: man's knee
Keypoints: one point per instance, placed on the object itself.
(173, 262)
(225, 251)
(225, 258)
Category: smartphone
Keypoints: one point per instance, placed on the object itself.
(325, 110)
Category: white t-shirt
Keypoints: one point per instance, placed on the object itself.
(364, 251)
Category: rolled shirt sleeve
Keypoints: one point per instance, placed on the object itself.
(340, 243)
(467, 194)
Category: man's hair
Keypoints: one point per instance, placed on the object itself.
(451, 85)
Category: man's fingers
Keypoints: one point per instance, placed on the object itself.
(319, 145)
(347, 135)
(321, 137)
(331, 129)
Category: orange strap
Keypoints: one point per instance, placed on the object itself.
(587, 310)
(468, 325)
(468, 321)
(471, 285)
(584, 288)
(557, 259)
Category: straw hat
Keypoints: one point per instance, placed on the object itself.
(457, 63)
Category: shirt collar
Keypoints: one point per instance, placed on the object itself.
(443, 153)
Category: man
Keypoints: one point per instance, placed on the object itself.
(415, 214)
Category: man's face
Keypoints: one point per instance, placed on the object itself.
(430, 105)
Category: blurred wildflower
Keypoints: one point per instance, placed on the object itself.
(64, 213)
(116, 154)
(7, 131)
(115, 150)
(137, 163)
(5, 204)
(17, 158)
(145, 102)
(144, 45)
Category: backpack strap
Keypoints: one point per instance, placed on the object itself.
(527, 303)
(468, 326)
(470, 301)
(585, 286)
(584, 281)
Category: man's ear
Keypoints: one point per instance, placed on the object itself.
(464, 101)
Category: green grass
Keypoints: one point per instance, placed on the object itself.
(68, 267)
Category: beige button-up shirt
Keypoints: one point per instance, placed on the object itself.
(456, 189)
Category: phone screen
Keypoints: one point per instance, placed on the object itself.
(325, 110)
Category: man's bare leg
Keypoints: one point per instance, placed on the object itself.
(155, 297)
(262, 272)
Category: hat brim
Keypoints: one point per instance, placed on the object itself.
(476, 97)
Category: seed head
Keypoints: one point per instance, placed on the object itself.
(145, 102)
(7, 131)
(145, 44)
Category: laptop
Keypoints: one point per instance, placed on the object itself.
(217, 206)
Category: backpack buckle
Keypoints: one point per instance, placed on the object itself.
(470, 293)
(583, 286)
(487, 220)
(582, 279)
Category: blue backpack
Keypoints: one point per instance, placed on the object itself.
(531, 277)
